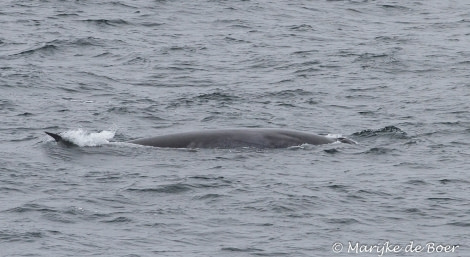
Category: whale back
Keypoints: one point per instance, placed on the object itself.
(234, 138)
(229, 138)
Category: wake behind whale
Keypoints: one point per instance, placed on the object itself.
(230, 138)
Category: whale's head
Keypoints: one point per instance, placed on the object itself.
(346, 140)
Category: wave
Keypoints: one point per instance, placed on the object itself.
(48, 49)
(106, 22)
(170, 189)
(52, 47)
(385, 131)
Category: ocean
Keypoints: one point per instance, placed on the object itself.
(391, 75)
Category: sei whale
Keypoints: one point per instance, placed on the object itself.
(231, 138)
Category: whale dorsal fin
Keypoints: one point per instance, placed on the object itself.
(59, 139)
(56, 137)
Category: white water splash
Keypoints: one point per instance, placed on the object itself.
(82, 138)
(334, 135)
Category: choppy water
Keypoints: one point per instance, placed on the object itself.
(392, 75)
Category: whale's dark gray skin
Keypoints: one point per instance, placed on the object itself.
(59, 139)
(232, 138)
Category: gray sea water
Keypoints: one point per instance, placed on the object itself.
(392, 75)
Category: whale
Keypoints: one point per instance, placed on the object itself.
(230, 138)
